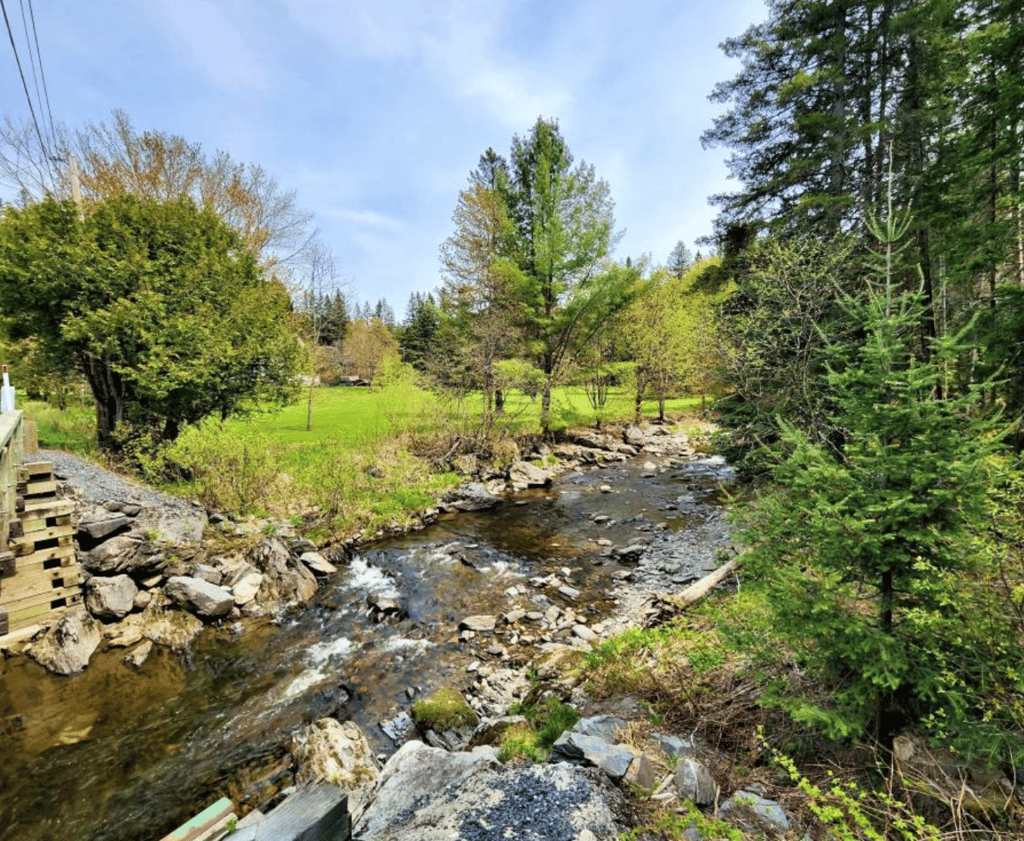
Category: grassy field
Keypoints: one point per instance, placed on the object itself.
(359, 469)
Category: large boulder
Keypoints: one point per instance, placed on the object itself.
(110, 597)
(523, 475)
(117, 555)
(176, 524)
(473, 496)
(165, 624)
(581, 749)
(694, 781)
(427, 794)
(332, 751)
(199, 596)
(66, 647)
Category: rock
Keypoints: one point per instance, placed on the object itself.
(98, 530)
(119, 554)
(142, 599)
(397, 728)
(270, 556)
(317, 563)
(642, 772)
(66, 647)
(199, 596)
(469, 497)
(478, 623)
(750, 808)
(425, 794)
(180, 524)
(514, 616)
(634, 436)
(335, 752)
(674, 746)
(208, 573)
(523, 475)
(246, 585)
(110, 598)
(384, 607)
(694, 781)
(138, 655)
(129, 509)
(125, 633)
(630, 554)
(584, 633)
(165, 625)
(650, 467)
(571, 593)
(605, 727)
(591, 750)
(605, 489)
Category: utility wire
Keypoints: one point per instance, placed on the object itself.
(53, 128)
(28, 97)
(35, 75)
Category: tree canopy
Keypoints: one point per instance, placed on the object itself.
(158, 303)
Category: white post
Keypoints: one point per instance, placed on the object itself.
(6, 394)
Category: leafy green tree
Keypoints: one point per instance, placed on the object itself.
(159, 303)
(563, 229)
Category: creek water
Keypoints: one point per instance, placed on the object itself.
(118, 753)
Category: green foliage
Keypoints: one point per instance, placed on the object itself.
(863, 545)
(673, 826)
(159, 305)
(546, 722)
(446, 709)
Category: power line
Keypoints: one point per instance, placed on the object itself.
(32, 110)
(46, 93)
(32, 62)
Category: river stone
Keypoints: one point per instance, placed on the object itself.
(164, 624)
(472, 496)
(584, 633)
(199, 596)
(397, 728)
(605, 727)
(694, 781)
(66, 647)
(142, 599)
(523, 475)
(336, 752)
(177, 524)
(138, 655)
(634, 436)
(317, 563)
(590, 750)
(429, 795)
(110, 598)
(755, 809)
(119, 554)
(482, 622)
(246, 585)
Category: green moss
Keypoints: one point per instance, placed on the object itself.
(446, 709)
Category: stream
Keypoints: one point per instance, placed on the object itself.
(117, 753)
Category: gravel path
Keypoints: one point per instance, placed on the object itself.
(99, 485)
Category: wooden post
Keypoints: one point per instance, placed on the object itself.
(11, 455)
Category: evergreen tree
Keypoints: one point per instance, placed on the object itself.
(680, 259)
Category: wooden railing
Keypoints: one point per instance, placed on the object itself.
(12, 453)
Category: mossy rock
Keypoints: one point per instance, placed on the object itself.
(445, 710)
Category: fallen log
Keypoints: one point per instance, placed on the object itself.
(697, 591)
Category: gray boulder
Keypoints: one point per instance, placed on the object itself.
(97, 530)
(176, 523)
(317, 563)
(523, 475)
(426, 794)
(483, 622)
(119, 554)
(605, 727)
(110, 597)
(469, 497)
(580, 749)
(332, 751)
(745, 807)
(66, 647)
(694, 781)
(199, 596)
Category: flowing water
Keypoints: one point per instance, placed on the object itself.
(119, 753)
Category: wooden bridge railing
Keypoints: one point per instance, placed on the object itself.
(12, 453)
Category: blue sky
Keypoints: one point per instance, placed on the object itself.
(375, 111)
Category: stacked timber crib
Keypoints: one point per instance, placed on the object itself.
(39, 573)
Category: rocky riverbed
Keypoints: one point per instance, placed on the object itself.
(576, 555)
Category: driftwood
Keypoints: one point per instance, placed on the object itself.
(661, 607)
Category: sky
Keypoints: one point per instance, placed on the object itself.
(376, 111)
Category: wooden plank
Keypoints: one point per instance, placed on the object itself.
(26, 544)
(37, 523)
(8, 565)
(63, 552)
(202, 824)
(37, 583)
(35, 468)
(312, 812)
(39, 487)
(47, 598)
(4, 620)
(30, 614)
(21, 635)
(49, 507)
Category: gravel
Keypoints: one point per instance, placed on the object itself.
(99, 485)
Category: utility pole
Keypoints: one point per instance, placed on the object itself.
(76, 184)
